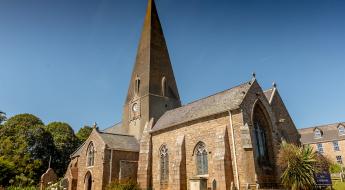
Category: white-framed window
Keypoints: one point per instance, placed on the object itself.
(201, 159)
(336, 146)
(90, 155)
(320, 148)
(317, 133)
(341, 130)
(339, 159)
(164, 165)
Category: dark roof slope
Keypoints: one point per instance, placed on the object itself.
(116, 128)
(329, 133)
(227, 100)
(120, 141)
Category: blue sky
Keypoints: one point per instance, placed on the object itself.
(71, 60)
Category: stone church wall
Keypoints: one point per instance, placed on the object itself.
(211, 131)
(96, 171)
(118, 157)
(262, 175)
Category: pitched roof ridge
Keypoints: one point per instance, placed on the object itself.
(112, 126)
(217, 93)
(102, 132)
(322, 126)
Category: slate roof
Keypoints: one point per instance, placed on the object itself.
(329, 133)
(113, 129)
(120, 141)
(114, 141)
(227, 100)
(77, 152)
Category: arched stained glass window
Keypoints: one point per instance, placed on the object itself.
(90, 155)
(261, 141)
(262, 135)
(201, 159)
(164, 156)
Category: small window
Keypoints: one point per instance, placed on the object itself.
(201, 159)
(336, 146)
(320, 148)
(164, 86)
(339, 159)
(137, 85)
(317, 133)
(164, 156)
(90, 155)
(341, 130)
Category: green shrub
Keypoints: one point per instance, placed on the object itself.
(21, 188)
(335, 168)
(123, 185)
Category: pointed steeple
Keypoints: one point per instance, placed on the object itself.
(152, 89)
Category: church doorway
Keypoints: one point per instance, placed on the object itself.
(88, 181)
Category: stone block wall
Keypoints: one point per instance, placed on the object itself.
(211, 131)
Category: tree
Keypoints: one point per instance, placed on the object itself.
(65, 142)
(25, 120)
(298, 166)
(2, 117)
(6, 171)
(84, 133)
(27, 144)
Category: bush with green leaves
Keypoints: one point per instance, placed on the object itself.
(21, 188)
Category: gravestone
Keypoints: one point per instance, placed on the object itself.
(48, 178)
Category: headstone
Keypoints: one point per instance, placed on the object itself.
(48, 178)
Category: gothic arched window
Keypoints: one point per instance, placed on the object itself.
(90, 155)
(201, 159)
(164, 165)
(261, 134)
(164, 86)
(261, 141)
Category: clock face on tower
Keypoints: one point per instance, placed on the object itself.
(135, 107)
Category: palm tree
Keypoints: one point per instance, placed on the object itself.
(298, 166)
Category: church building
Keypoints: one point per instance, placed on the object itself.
(228, 140)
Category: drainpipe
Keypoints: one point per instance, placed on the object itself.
(111, 164)
(234, 150)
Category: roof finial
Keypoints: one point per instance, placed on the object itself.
(274, 84)
(254, 75)
(94, 125)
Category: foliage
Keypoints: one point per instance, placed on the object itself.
(335, 168)
(297, 164)
(123, 185)
(6, 171)
(84, 133)
(22, 188)
(24, 120)
(65, 142)
(2, 117)
(27, 146)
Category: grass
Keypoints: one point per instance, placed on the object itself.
(339, 185)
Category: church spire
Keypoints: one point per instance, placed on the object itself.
(152, 89)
